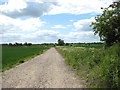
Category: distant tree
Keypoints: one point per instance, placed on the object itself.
(67, 44)
(5, 44)
(55, 44)
(20, 44)
(107, 25)
(10, 44)
(29, 44)
(60, 42)
(25, 44)
(16, 44)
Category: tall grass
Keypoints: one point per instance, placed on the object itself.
(12, 55)
(100, 68)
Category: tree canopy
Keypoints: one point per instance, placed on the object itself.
(60, 42)
(107, 25)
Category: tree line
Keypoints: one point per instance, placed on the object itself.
(17, 44)
(60, 43)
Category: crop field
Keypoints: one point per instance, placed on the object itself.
(98, 66)
(12, 55)
(89, 45)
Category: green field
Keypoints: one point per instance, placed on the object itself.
(98, 66)
(89, 45)
(12, 55)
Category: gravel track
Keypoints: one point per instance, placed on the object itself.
(44, 71)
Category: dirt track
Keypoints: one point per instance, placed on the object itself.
(44, 71)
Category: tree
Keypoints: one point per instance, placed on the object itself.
(107, 25)
(29, 44)
(16, 44)
(10, 44)
(67, 44)
(60, 42)
(25, 43)
(20, 44)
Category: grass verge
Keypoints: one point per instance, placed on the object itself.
(100, 68)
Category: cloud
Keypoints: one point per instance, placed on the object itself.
(80, 37)
(84, 24)
(79, 6)
(37, 8)
(36, 37)
(71, 20)
(49, 36)
(46, 36)
(69, 25)
(8, 24)
(17, 29)
(26, 8)
(58, 26)
(11, 37)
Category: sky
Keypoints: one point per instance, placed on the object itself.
(46, 21)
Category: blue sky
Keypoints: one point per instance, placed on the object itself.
(45, 21)
(65, 20)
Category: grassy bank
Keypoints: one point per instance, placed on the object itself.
(13, 55)
(100, 68)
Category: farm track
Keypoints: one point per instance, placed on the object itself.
(44, 71)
